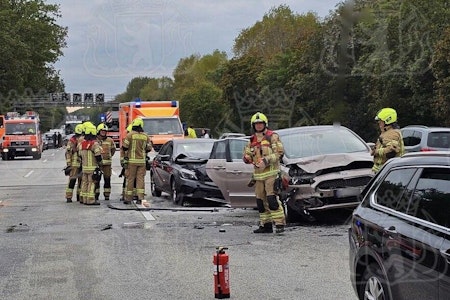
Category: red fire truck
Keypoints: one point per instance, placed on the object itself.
(22, 135)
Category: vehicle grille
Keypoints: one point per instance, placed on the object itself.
(20, 143)
(342, 183)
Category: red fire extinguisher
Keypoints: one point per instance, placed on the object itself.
(221, 274)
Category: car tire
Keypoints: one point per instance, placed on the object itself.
(155, 192)
(373, 284)
(176, 197)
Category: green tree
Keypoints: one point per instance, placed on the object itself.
(158, 89)
(31, 42)
(441, 71)
(202, 106)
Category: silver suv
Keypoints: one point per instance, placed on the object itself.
(423, 138)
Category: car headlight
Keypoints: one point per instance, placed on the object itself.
(188, 174)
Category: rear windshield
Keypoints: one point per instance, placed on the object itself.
(439, 139)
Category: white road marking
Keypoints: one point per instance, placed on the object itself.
(29, 173)
(147, 215)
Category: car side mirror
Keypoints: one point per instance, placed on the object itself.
(164, 157)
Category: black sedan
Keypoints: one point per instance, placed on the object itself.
(400, 233)
(179, 170)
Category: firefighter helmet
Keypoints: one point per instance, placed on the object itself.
(259, 118)
(387, 115)
(138, 122)
(129, 128)
(87, 124)
(101, 126)
(90, 129)
(79, 129)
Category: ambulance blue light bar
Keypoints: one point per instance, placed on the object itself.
(174, 103)
(137, 102)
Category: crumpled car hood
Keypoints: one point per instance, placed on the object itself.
(313, 164)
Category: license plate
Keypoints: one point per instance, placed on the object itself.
(20, 149)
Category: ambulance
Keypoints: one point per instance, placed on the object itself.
(161, 120)
(22, 135)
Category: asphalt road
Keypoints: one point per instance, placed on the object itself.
(56, 250)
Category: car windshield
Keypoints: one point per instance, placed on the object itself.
(20, 128)
(156, 126)
(194, 150)
(328, 141)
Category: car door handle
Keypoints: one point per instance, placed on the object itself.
(236, 172)
(218, 167)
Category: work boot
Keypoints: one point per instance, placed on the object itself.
(68, 200)
(279, 228)
(138, 201)
(78, 198)
(106, 198)
(267, 228)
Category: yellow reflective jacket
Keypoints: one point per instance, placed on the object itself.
(137, 145)
(108, 150)
(389, 145)
(264, 146)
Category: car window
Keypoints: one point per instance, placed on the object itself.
(237, 149)
(219, 150)
(431, 199)
(394, 192)
(163, 150)
(439, 139)
(411, 137)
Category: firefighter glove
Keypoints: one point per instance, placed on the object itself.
(124, 163)
(97, 175)
(67, 170)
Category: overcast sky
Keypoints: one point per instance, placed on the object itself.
(111, 42)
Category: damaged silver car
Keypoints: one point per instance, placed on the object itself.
(329, 165)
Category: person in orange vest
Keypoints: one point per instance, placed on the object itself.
(264, 151)
(136, 145)
(108, 151)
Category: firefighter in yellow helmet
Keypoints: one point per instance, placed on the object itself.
(390, 142)
(264, 151)
(90, 153)
(108, 150)
(124, 172)
(73, 164)
(136, 145)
